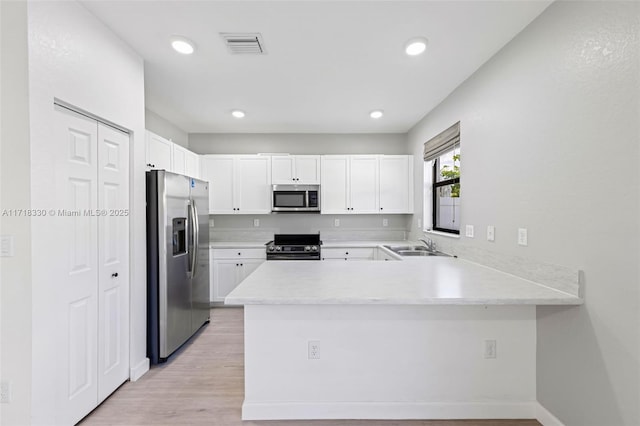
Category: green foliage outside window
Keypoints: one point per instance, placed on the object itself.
(447, 174)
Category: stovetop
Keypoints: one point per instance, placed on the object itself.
(294, 247)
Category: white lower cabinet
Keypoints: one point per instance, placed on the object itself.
(349, 253)
(229, 267)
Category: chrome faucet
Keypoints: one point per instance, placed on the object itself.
(431, 245)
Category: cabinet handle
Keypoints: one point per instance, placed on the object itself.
(239, 254)
(381, 208)
(347, 253)
(150, 165)
(114, 275)
(242, 264)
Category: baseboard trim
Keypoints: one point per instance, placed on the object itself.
(545, 417)
(388, 410)
(139, 370)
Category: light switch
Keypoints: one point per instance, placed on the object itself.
(491, 233)
(385, 222)
(522, 237)
(469, 231)
(336, 222)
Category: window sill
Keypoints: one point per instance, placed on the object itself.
(441, 234)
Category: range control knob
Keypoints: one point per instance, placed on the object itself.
(271, 248)
(278, 248)
(314, 248)
(307, 248)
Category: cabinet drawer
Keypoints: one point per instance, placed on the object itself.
(239, 253)
(349, 253)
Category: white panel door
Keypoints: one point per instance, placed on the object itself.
(179, 161)
(159, 152)
(335, 182)
(282, 169)
(308, 169)
(113, 260)
(253, 179)
(74, 313)
(364, 183)
(218, 170)
(396, 181)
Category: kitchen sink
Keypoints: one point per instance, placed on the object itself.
(414, 251)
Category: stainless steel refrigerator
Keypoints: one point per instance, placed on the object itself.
(177, 261)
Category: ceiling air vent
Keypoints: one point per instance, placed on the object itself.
(244, 43)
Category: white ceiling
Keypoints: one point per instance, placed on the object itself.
(328, 63)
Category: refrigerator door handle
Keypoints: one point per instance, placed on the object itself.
(196, 238)
(193, 235)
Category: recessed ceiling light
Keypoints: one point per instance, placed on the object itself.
(376, 113)
(237, 113)
(415, 46)
(182, 45)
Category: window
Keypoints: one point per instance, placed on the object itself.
(442, 181)
(446, 192)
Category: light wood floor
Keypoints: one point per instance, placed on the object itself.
(204, 385)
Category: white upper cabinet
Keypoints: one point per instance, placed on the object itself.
(334, 189)
(295, 169)
(179, 159)
(253, 189)
(192, 164)
(366, 184)
(349, 184)
(162, 154)
(238, 184)
(396, 184)
(159, 152)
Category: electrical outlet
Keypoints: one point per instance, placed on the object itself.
(469, 231)
(523, 239)
(491, 233)
(256, 223)
(336, 222)
(385, 222)
(211, 223)
(490, 349)
(419, 223)
(5, 392)
(314, 349)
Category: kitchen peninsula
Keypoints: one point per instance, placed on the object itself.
(422, 338)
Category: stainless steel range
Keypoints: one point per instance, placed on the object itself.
(294, 247)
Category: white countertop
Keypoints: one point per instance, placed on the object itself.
(418, 281)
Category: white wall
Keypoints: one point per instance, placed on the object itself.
(75, 58)
(15, 272)
(163, 127)
(389, 362)
(298, 143)
(549, 137)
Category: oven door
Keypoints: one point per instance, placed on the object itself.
(293, 256)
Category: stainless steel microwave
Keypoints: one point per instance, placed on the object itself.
(295, 198)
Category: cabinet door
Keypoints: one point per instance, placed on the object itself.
(179, 160)
(248, 266)
(226, 276)
(364, 184)
(253, 184)
(74, 260)
(396, 184)
(334, 188)
(192, 164)
(159, 152)
(307, 169)
(218, 170)
(282, 169)
(113, 260)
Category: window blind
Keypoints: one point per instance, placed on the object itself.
(442, 143)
